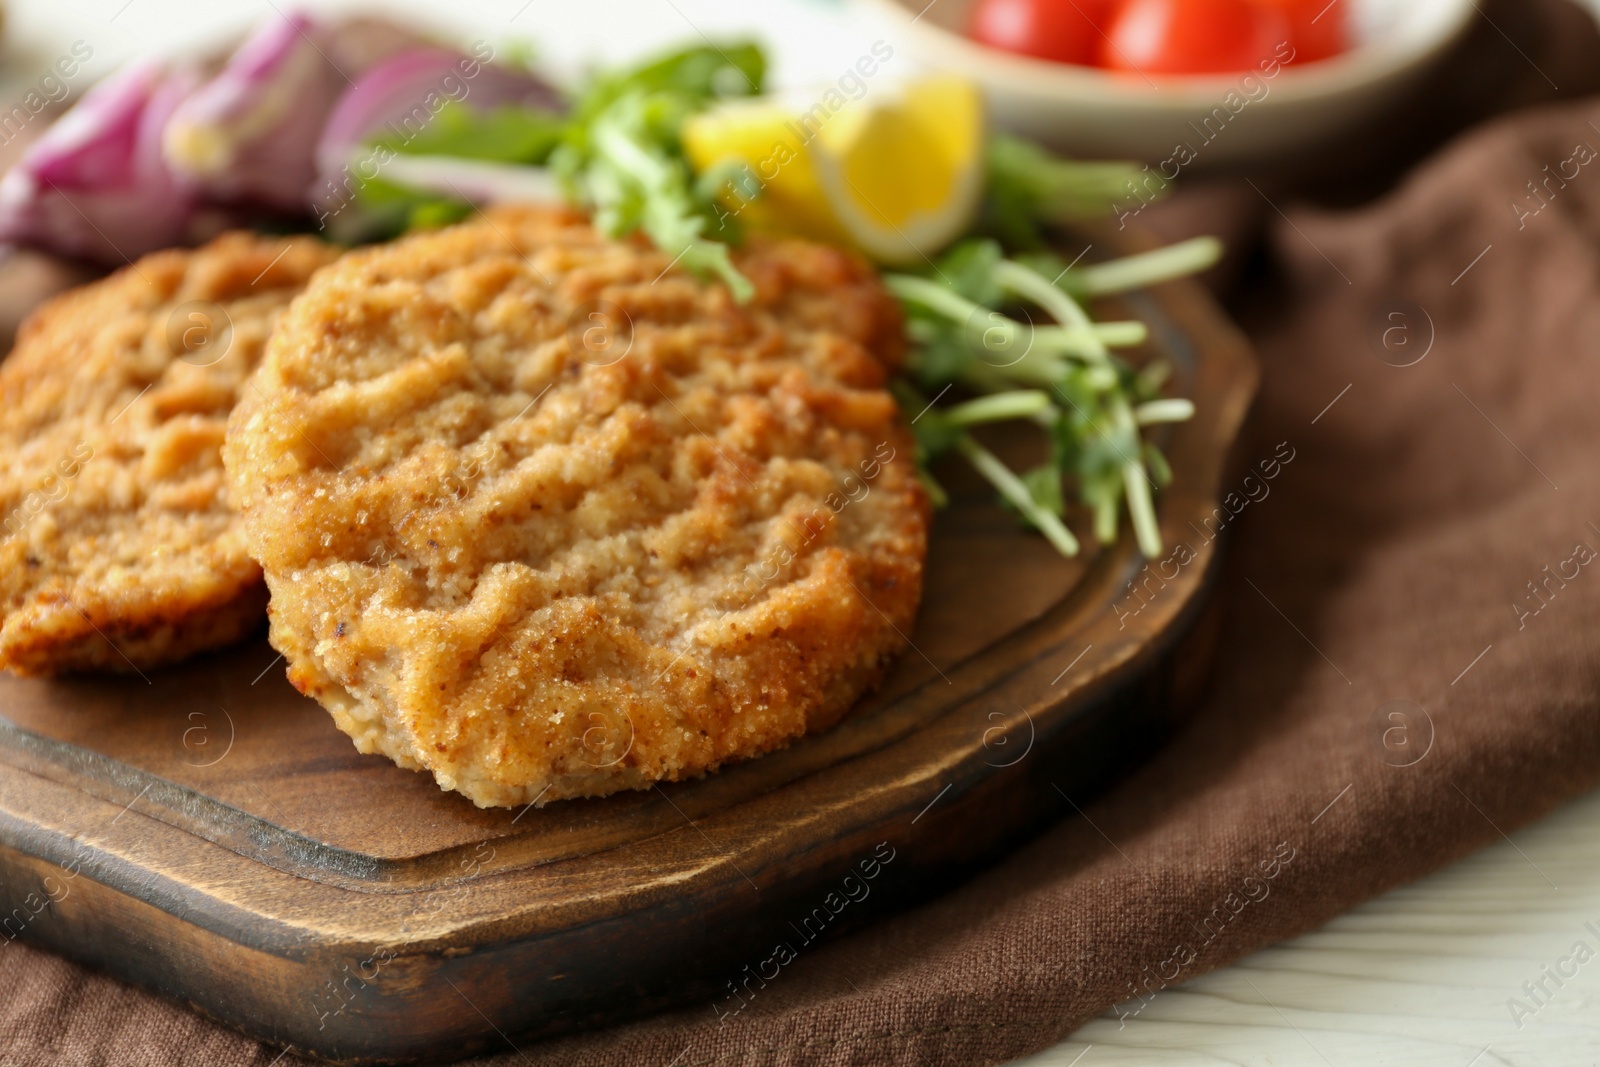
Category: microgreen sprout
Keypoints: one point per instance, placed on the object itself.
(1061, 375)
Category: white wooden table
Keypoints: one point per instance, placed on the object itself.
(1421, 977)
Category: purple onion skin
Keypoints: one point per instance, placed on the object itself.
(399, 97)
(157, 154)
(96, 185)
(248, 135)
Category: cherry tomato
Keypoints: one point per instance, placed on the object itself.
(1066, 31)
(1192, 36)
(1318, 29)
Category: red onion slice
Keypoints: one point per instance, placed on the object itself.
(400, 96)
(249, 133)
(95, 184)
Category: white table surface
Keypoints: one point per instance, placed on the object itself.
(1420, 977)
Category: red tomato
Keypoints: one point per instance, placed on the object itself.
(1192, 36)
(1317, 28)
(1066, 31)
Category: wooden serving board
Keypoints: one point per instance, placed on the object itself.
(207, 833)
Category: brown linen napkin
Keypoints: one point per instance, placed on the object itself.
(1428, 544)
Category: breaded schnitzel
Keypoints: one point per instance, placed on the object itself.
(547, 517)
(118, 550)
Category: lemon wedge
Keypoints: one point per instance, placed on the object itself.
(897, 173)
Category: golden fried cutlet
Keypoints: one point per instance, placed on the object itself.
(548, 517)
(118, 550)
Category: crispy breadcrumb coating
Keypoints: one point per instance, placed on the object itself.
(547, 517)
(118, 550)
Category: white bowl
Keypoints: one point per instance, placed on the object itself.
(1187, 122)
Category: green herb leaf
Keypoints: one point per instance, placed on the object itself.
(1029, 189)
(699, 74)
(968, 268)
(622, 157)
(1044, 484)
(509, 134)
